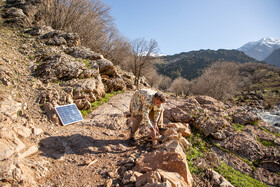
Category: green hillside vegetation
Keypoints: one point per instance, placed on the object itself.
(200, 150)
(190, 65)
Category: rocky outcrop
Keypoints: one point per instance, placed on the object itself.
(217, 180)
(244, 145)
(160, 178)
(167, 161)
(70, 73)
(245, 118)
(58, 38)
(22, 12)
(205, 113)
(267, 177)
(220, 123)
(233, 161)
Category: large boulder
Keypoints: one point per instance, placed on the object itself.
(177, 115)
(83, 52)
(209, 125)
(39, 30)
(9, 107)
(21, 13)
(167, 161)
(114, 84)
(9, 143)
(244, 145)
(13, 13)
(245, 118)
(209, 102)
(183, 128)
(267, 177)
(256, 132)
(63, 67)
(161, 178)
(106, 67)
(217, 180)
(58, 38)
(91, 89)
(233, 161)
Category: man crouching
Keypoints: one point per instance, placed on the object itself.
(146, 105)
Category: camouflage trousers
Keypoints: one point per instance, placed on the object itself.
(135, 122)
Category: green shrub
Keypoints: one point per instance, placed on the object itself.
(236, 178)
(96, 104)
(267, 143)
(238, 127)
(199, 146)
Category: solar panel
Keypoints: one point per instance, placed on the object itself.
(68, 114)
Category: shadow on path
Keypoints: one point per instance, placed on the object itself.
(56, 146)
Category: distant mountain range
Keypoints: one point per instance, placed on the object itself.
(260, 49)
(191, 64)
(274, 58)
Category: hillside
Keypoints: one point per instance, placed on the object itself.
(274, 58)
(206, 142)
(190, 65)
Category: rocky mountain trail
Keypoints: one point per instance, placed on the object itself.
(37, 150)
(41, 68)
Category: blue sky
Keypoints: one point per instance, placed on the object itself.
(186, 25)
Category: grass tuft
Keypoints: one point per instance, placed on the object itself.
(101, 101)
(238, 127)
(237, 178)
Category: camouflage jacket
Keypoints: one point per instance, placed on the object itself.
(142, 103)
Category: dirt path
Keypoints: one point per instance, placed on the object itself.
(92, 152)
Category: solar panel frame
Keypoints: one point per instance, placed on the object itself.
(68, 114)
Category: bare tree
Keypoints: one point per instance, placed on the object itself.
(219, 81)
(180, 86)
(142, 59)
(165, 82)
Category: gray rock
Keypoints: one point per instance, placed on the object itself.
(31, 150)
(209, 125)
(233, 161)
(255, 131)
(37, 131)
(106, 67)
(217, 180)
(83, 52)
(83, 104)
(244, 145)
(267, 177)
(57, 41)
(22, 132)
(59, 67)
(9, 147)
(58, 37)
(10, 107)
(14, 13)
(114, 84)
(244, 118)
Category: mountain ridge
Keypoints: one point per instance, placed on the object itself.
(260, 49)
(274, 58)
(191, 64)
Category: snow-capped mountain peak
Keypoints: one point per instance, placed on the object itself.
(260, 49)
